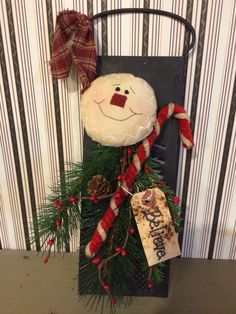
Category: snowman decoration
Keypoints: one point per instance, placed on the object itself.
(120, 110)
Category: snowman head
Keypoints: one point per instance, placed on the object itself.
(118, 109)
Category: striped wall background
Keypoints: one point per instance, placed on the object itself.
(40, 124)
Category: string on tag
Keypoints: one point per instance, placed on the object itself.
(148, 199)
(127, 191)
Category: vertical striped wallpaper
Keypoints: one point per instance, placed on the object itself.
(40, 127)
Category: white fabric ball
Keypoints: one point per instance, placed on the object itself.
(118, 109)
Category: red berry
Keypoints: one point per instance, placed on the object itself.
(121, 160)
(129, 150)
(100, 266)
(45, 260)
(50, 242)
(55, 202)
(147, 169)
(175, 200)
(58, 222)
(123, 252)
(114, 301)
(95, 260)
(131, 230)
(106, 286)
(154, 267)
(92, 198)
(73, 199)
(117, 249)
(59, 206)
(160, 184)
(150, 285)
(119, 177)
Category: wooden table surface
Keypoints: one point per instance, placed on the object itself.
(27, 286)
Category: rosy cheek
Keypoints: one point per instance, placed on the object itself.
(99, 95)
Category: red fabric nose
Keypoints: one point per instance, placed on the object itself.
(118, 100)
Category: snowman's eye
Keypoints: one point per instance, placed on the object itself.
(126, 92)
(117, 89)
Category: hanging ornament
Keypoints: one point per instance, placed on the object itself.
(117, 110)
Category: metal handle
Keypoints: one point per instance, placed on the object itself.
(153, 11)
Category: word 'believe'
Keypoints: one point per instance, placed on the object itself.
(156, 231)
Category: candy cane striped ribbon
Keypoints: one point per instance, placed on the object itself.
(134, 168)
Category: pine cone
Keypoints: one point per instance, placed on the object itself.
(99, 186)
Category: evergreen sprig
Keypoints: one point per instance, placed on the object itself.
(123, 274)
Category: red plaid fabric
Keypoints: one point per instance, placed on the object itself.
(73, 41)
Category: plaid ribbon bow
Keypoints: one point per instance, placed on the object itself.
(73, 40)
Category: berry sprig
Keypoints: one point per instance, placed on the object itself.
(102, 262)
(50, 243)
(75, 199)
(149, 283)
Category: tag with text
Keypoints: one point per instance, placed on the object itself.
(155, 226)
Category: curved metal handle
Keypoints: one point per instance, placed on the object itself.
(153, 11)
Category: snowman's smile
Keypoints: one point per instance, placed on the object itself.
(114, 118)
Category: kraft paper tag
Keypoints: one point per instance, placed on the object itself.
(155, 226)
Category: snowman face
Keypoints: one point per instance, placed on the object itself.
(118, 109)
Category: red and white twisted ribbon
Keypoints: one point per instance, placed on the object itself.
(134, 168)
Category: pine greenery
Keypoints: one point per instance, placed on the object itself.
(120, 272)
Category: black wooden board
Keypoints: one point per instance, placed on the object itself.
(166, 76)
